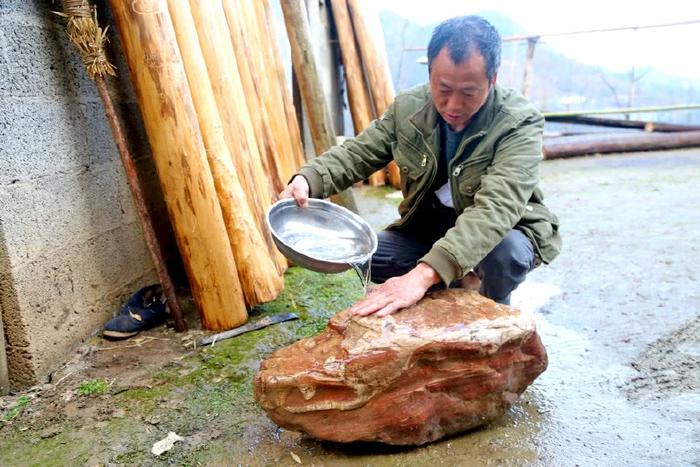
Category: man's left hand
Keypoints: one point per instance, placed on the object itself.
(397, 292)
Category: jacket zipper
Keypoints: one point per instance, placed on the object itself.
(457, 170)
(461, 147)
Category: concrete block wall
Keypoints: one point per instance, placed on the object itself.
(71, 247)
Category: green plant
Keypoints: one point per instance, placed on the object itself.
(10, 414)
(93, 386)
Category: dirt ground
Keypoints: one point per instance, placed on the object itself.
(618, 311)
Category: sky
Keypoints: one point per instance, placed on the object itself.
(672, 50)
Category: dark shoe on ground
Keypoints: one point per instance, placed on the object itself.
(144, 310)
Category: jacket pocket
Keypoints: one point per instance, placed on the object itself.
(467, 187)
(469, 184)
(412, 165)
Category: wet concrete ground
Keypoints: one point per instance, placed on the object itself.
(619, 314)
(618, 311)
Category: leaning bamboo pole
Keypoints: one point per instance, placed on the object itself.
(258, 274)
(89, 39)
(210, 21)
(360, 106)
(376, 68)
(306, 71)
(255, 94)
(161, 87)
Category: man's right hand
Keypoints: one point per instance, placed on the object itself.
(297, 189)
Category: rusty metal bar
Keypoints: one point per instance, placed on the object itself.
(140, 203)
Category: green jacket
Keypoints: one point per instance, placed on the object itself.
(494, 189)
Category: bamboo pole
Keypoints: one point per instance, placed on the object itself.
(358, 98)
(305, 68)
(89, 39)
(161, 87)
(258, 274)
(210, 21)
(287, 101)
(245, 46)
(376, 69)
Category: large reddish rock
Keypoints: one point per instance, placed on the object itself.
(452, 362)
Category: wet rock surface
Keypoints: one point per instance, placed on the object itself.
(450, 363)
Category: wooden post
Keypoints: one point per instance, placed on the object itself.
(374, 64)
(210, 21)
(258, 274)
(278, 63)
(647, 126)
(606, 144)
(306, 71)
(376, 68)
(241, 17)
(161, 87)
(244, 40)
(360, 106)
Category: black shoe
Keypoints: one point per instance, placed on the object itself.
(144, 310)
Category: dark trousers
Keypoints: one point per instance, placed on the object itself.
(501, 271)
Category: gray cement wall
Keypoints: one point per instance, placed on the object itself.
(71, 247)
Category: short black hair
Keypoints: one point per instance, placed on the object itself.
(464, 34)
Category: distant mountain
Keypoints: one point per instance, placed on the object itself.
(559, 83)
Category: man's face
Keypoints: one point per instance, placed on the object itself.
(459, 91)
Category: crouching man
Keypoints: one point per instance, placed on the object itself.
(469, 152)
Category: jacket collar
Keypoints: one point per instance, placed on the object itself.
(427, 119)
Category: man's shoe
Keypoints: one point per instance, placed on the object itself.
(145, 309)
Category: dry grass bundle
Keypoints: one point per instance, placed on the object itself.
(87, 36)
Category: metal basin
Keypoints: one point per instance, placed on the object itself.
(323, 237)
